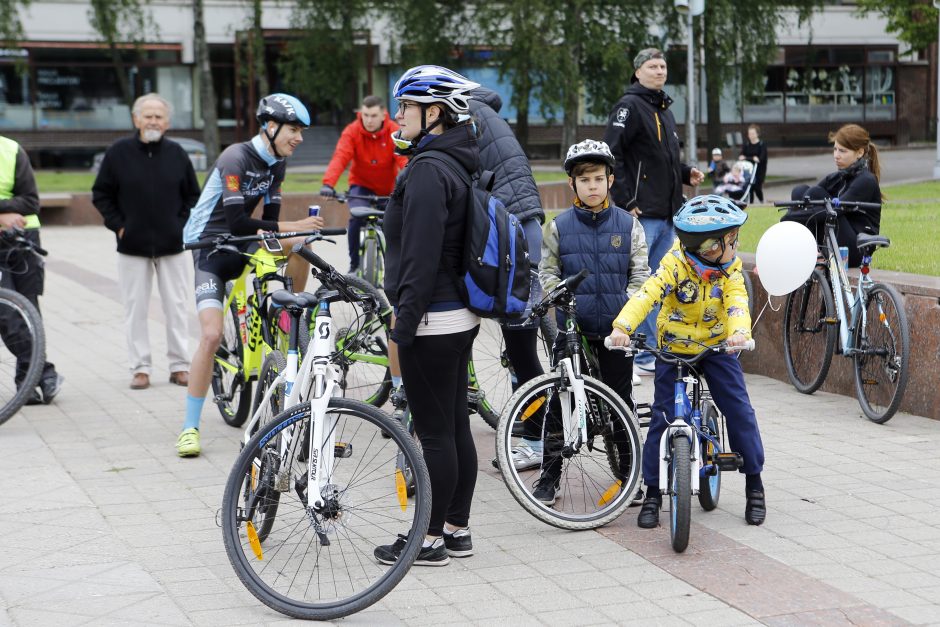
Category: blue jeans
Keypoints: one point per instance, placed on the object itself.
(659, 239)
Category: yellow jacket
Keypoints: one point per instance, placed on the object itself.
(703, 311)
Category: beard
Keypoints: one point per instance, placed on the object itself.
(151, 136)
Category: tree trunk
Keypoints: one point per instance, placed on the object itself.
(712, 89)
(210, 127)
(522, 127)
(126, 91)
(257, 43)
(572, 85)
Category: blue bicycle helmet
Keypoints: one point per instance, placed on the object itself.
(703, 220)
(433, 84)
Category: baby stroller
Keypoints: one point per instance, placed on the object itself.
(737, 183)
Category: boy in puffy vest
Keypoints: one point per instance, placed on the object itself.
(607, 241)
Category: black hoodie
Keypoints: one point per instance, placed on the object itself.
(641, 133)
(424, 227)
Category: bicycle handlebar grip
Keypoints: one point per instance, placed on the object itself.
(334, 230)
(312, 258)
(748, 346)
(573, 282)
(857, 204)
(208, 243)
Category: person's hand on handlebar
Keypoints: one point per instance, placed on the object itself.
(327, 191)
(619, 338)
(738, 340)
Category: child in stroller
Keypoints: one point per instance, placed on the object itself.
(737, 183)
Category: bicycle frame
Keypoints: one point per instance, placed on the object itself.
(848, 302)
(687, 422)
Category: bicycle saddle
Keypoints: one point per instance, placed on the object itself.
(303, 300)
(872, 241)
(365, 213)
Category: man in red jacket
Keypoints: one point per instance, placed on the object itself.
(367, 144)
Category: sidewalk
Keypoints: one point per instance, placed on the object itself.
(104, 525)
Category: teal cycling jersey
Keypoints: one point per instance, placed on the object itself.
(243, 175)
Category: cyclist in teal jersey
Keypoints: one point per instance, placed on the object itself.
(242, 177)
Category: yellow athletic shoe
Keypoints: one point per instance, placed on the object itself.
(187, 445)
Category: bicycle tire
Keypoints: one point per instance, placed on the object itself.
(749, 287)
(24, 340)
(273, 365)
(709, 486)
(680, 493)
(880, 380)
(361, 379)
(293, 573)
(401, 462)
(231, 390)
(369, 261)
(585, 478)
(492, 373)
(810, 332)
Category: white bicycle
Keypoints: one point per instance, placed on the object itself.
(316, 488)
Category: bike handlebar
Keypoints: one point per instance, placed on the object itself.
(822, 202)
(675, 358)
(222, 240)
(373, 199)
(558, 293)
(17, 237)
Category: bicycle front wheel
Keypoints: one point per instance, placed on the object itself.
(372, 262)
(231, 389)
(709, 481)
(493, 379)
(810, 331)
(583, 485)
(23, 354)
(317, 561)
(680, 493)
(883, 345)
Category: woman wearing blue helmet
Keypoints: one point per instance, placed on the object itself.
(425, 229)
(704, 302)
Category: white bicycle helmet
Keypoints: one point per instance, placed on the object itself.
(590, 151)
(433, 84)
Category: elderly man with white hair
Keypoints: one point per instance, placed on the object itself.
(144, 190)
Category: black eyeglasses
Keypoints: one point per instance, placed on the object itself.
(403, 106)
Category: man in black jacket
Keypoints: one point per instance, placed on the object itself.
(144, 190)
(648, 175)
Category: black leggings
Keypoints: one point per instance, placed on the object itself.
(434, 372)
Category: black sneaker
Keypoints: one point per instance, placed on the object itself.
(545, 489)
(35, 398)
(434, 555)
(50, 386)
(649, 513)
(458, 544)
(755, 511)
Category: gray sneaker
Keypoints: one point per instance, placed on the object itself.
(523, 457)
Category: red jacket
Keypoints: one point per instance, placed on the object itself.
(374, 164)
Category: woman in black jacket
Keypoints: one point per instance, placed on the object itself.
(756, 150)
(857, 178)
(424, 226)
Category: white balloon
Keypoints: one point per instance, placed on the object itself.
(786, 256)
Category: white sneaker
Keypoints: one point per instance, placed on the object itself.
(636, 379)
(523, 457)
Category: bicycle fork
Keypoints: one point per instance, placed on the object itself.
(573, 418)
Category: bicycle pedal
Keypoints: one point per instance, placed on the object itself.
(342, 450)
(729, 461)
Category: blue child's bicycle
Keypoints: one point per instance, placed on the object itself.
(693, 448)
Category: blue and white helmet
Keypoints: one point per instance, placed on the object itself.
(433, 84)
(283, 109)
(703, 220)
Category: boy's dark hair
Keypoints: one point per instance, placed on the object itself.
(372, 101)
(584, 166)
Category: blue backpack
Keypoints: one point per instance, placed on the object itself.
(496, 275)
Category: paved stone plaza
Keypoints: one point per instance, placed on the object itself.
(104, 525)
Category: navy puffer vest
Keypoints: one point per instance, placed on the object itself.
(600, 242)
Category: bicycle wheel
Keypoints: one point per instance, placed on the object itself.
(493, 380)
(884, 345)
(370, 260)
(362, 341)
(317, 562)
(23, 354)
(749, 286)
(680, 493)
(810, 331)
(274, 364)
(709, 485)
(231, 389)
(401, 460)
(588, 493)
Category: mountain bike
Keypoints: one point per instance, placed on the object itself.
(23, 354)
(371, 236)
(590, 436)
(868, 324)
(250, 327)
(338, 492)
(693, 449)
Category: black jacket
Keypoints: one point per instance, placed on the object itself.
(148, 190)
(856, 182)
(501, 154)
(758, 150)
(425, 224)
(641, 133)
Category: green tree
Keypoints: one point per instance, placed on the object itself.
(122, 21)
(739, 42)
(256, 40)
(11, 28)
(913, 21)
